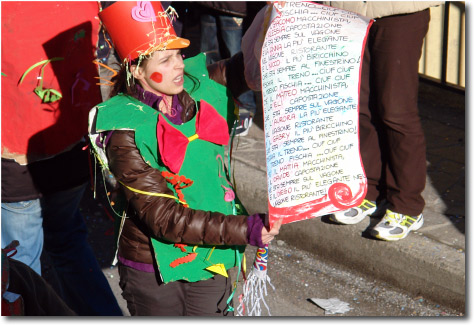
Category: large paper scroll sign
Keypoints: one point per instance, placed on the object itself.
(310, 71)
(310, 65)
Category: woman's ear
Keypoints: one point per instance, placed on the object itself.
(137, 72)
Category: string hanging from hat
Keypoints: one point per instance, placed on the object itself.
(106, 82)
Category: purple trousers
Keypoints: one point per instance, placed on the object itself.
(392, 141)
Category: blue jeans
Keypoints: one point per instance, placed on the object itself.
(22, 221)
(247, 101)
(231, 31)
(83, 286)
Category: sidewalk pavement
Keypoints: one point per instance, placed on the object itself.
(429, 262)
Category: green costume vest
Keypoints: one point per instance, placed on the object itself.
(202, 172)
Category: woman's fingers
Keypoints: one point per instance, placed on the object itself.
(267, 236)
(276, 227)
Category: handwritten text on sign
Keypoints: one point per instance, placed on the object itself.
(310, 68)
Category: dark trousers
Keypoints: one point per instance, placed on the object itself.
(147, 296)
(392, 141)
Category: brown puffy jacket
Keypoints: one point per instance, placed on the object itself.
(162, 217)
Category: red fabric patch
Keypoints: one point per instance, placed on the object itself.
(172, 144)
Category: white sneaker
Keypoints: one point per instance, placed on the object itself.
(396, 226)
(245, 122)
(354, 215)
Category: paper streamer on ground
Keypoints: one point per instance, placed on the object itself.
(332, 305)
(310, 65)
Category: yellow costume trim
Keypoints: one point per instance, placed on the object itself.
(193, 137)
(209, 256)
(152, 194)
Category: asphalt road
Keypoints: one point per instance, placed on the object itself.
(299, 276)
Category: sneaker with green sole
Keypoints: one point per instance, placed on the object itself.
(396, 226)
(354, 215)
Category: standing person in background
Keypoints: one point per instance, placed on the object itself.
(48, 86)
(222, 25)
(221, 28)
(162, 135)
(392, 142)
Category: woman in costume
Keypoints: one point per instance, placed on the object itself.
(162, 135)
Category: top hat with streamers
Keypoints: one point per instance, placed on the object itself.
(140, 28)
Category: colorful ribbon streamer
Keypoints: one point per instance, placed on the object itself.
(47, 95)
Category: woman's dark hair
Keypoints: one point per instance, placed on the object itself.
(129, 87)
(121, 85)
